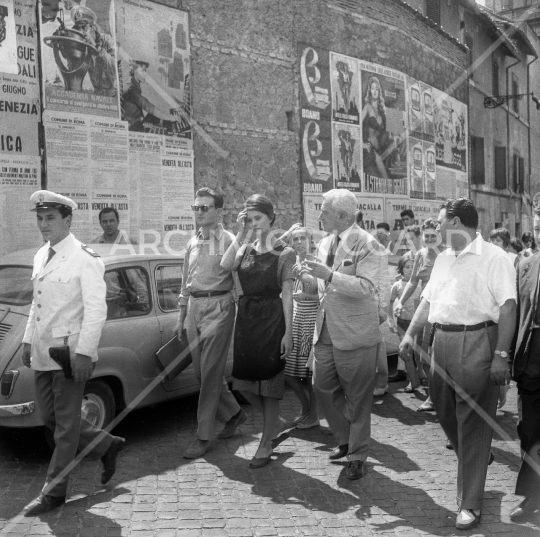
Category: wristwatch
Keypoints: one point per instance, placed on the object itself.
(502, 354)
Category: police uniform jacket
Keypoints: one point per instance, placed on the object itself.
(69, 302)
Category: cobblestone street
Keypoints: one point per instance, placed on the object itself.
(409, 489)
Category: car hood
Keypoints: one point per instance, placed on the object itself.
(12, 325)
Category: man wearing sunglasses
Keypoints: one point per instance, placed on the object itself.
(207, 308)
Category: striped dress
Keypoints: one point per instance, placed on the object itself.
(305, 313)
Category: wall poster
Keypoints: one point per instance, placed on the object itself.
(394, 141)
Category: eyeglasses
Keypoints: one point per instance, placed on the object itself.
(203, 208)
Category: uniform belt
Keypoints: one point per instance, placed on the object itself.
(207, 294)
(462, 327)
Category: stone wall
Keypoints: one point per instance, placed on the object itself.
(245, 82)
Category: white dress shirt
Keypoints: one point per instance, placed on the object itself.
(471, 287)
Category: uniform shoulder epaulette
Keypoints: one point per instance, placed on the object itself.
(89, 250)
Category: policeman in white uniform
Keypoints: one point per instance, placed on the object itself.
(68, 309)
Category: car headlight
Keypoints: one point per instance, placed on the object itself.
(8, 382)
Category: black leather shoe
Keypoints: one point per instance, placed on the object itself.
(43, 504)
(524, 511)
(355, 470)
(449, 444)
(109, 459)
(398, 376)
(339, 452)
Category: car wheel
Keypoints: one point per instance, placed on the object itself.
(98, 405)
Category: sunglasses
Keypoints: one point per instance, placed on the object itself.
(203, 208)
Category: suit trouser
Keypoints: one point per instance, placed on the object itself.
(528, 383)
(59, 401)
(211, 321)
(464, 358)
(344, 382)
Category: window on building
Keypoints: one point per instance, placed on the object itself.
(500, 167)
(433, 10)
(477, 160)
(521, 174)
(470, 59)
(515, 91)
(495, 78)
(515, 172)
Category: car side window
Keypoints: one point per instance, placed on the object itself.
(128, 292)
(169, 284)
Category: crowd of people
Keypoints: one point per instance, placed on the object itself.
(309, 316)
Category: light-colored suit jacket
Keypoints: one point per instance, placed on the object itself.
(69, 303)
(350, 303)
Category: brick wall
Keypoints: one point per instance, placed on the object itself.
(245, 81)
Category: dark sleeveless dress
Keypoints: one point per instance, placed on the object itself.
(260, 322)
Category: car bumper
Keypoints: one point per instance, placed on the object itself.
(23, 409)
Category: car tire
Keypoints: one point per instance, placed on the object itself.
(98, 406)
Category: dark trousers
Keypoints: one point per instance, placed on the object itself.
(59, 401)
(459, 382)
(528, 481)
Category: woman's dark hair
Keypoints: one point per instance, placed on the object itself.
(502, 233)
(206, 192)
(516, 244)
(464, 209)
(401, 263)
(529, 236)
(430, 223)
(414, 229)
(260, 203)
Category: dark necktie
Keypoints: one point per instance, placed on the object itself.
(332, 251)
(51, 255)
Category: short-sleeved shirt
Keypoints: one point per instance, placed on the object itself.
(202, 264)
(471, 287)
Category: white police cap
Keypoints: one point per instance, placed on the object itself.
(45, 199)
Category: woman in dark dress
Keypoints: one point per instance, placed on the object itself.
(263, 330)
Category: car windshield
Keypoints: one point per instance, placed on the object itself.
(15, 285)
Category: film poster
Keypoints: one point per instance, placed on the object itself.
(155, 73)
(8, 38)
(384, 130)
(345, 89)
(78, 50)
(347, 156)
(20, 114)
(315, 121)
(450, 123)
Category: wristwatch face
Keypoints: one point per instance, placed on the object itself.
(503, 354)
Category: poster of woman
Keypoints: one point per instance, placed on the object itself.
(384, 134)
(345, 89)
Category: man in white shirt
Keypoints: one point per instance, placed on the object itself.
(471, 301)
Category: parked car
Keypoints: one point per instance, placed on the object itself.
(142, 297)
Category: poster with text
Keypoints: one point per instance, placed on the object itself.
(345, 89)
(20, 110)
(427, 113)
(450, 122)
(416, 160)
(384, 130)
(416, 117)
(372, 212)
(78, 50)
(8, 39)
(155, 71)
(347, 156)
(312, 211)
(19, 178)
(315, 121)
(430, 171)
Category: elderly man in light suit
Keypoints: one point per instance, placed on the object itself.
(352, 267)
